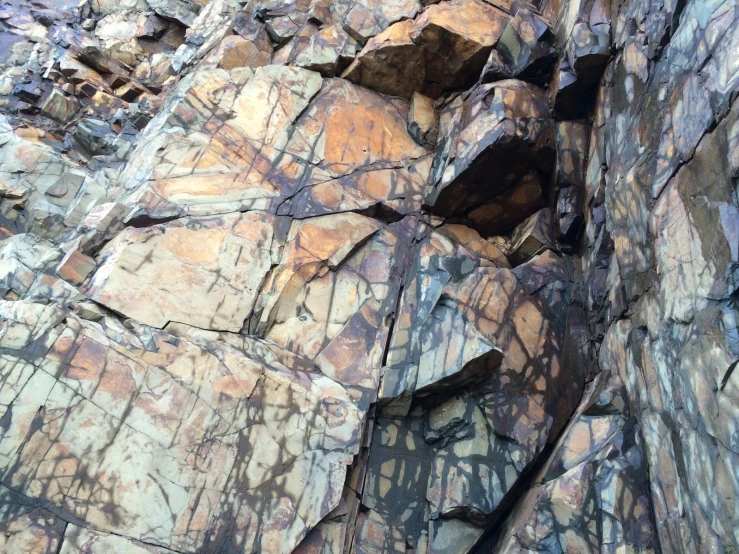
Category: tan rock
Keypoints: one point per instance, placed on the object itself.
(468, 30)
(75, 267)
(328, 51)
(60, 107)
(192, 271)
(506, 124)
(188, 439)
(349, 150)
(390, 63)
(423, 122)
(236, 51)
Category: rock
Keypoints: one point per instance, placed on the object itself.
(59, 106)
(367, 18)
(456, 38)
(239, 52)
(525, 50)
(95, 137)
(531, 236)
(199, 401)
(391, 62)
(406, 57)
(505, 123)
(365, 157)
(478, 294)
(328, 51)
(210, 27)
(572, 140)
(208, 256)
(75, 267)
(423, 123)
(180, 10)
(591, 493)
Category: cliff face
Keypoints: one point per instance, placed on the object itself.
(369, 277)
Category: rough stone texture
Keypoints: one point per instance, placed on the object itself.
(369, 277)
(496, 142)
(444, 48)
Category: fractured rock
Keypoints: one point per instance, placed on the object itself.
(423, 123)
(500, 125)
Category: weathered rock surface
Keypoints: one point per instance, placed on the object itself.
(496, 142)
(444, 48)
(369, 277)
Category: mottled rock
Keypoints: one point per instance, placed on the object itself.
(525, 50)
(505, 124)
(181, 421)
(59, 106)
(391, 62)
(532, 236)
(591, 494)
(456, 38)
(329, 51)
(349, 150)
(572, 143)
(236, 51)
(423, 123)
(444, 48)
(190, 271)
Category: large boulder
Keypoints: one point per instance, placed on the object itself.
(445, 48)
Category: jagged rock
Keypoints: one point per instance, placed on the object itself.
(22, 256)
(210, 27)
(423, 123)
(444, 48)
(180, 10)
(591, 494)
(180, 421)
(525, 51)
(505, 124)
(191, 271)
(245, 308)
(390, 62)
(328, 51)
(59, 106)
(236, 51)
(468, 29)
(532, 236)
(367, 18)
(572, 141)
(460, 313)
(95, 137)
(46, 183)
(349, 150)
(75, 267)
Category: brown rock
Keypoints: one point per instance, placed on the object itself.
(456, 38)
(329, 51)
(60, 107)
(390, 63)
(407, 58)
(531, 236)
(423, 122)
(75, 267)
(235, 51)
(478, 136)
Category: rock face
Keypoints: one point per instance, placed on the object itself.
(369, 277)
